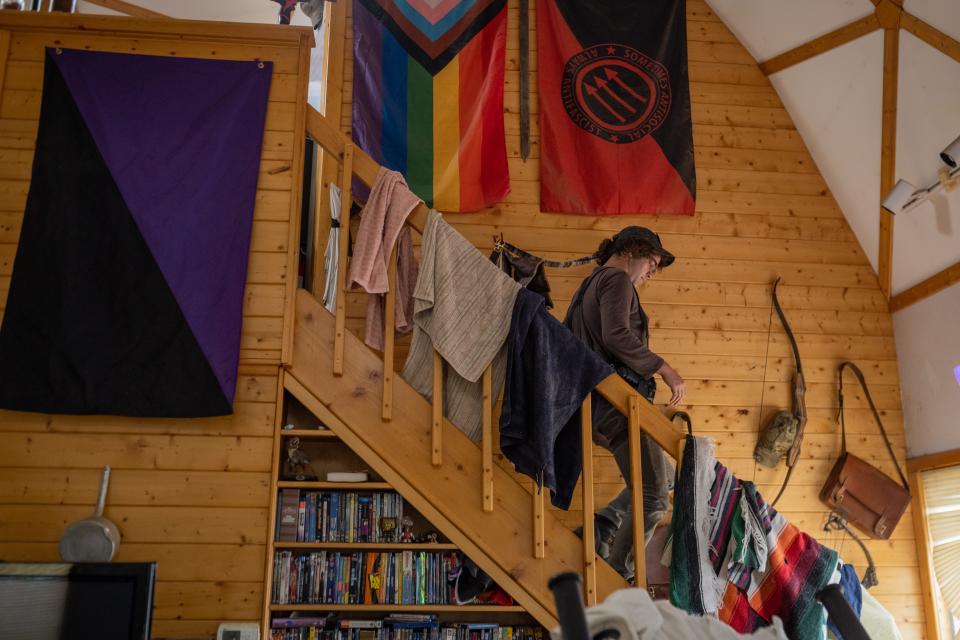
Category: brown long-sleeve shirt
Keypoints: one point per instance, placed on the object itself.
(611, 321)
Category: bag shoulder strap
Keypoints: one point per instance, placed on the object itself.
(876, 416)
(577, 302)
(503, 245)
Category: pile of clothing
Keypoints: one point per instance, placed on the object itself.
(733, 556)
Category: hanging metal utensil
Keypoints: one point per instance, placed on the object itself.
(93, 539)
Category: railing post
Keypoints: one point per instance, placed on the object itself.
(346, 199)
(436, 455)
(487, 443)
(636, 490)
(589, 544)
(389, 315)
(539, 546)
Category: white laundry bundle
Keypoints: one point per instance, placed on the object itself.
(630, 614)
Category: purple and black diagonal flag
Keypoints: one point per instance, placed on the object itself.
(127, 288)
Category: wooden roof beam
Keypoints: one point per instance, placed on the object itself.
(933, 284)
(888, 152)
(931, 35)
(822, 44)
(129, 9)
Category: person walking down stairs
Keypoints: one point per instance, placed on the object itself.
(606, 314)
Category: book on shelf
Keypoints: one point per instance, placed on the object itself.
(361, 624)
(288, 515)
(301, 517)
(296, 623)
(347, 476)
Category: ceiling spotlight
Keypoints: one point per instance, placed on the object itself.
(903, 197)
(951, 155)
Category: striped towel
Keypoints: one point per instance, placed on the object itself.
(462, 308)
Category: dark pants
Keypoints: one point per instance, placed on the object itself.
(611, 431)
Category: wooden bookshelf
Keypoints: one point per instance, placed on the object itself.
(333, 455)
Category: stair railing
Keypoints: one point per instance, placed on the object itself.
(641, 415)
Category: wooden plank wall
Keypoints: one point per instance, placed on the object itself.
(763, 210)
(192, 495)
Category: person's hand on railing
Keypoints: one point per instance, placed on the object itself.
(675, 382)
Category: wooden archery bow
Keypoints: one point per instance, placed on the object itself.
(799, 397)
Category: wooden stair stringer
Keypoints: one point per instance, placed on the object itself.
(501, 542)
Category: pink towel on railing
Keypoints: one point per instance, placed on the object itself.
(406, 281)
(387, 208)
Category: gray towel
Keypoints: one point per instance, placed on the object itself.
(462, 308)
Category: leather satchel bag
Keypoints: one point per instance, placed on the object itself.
(863, 495)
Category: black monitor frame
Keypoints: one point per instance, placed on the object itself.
(143, 575)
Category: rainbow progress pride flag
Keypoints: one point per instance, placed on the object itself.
(428, 96)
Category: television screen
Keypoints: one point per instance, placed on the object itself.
(56, 601)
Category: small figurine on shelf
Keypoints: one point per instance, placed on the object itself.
(430, 537)
(388, 526)
(406, 529)
(296, 466)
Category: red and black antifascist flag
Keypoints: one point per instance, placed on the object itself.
(614, 107)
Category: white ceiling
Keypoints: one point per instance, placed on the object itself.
(834, 99)
(769, 27)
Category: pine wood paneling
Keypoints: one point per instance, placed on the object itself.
(763, 211)
(192, 495)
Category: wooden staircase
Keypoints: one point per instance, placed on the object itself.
(450, 495)
(447, 477)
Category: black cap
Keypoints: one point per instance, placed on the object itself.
(651, 238)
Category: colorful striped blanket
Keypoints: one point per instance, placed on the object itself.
(732, 554)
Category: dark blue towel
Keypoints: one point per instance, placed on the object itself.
(549, 373)
(851, 593)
